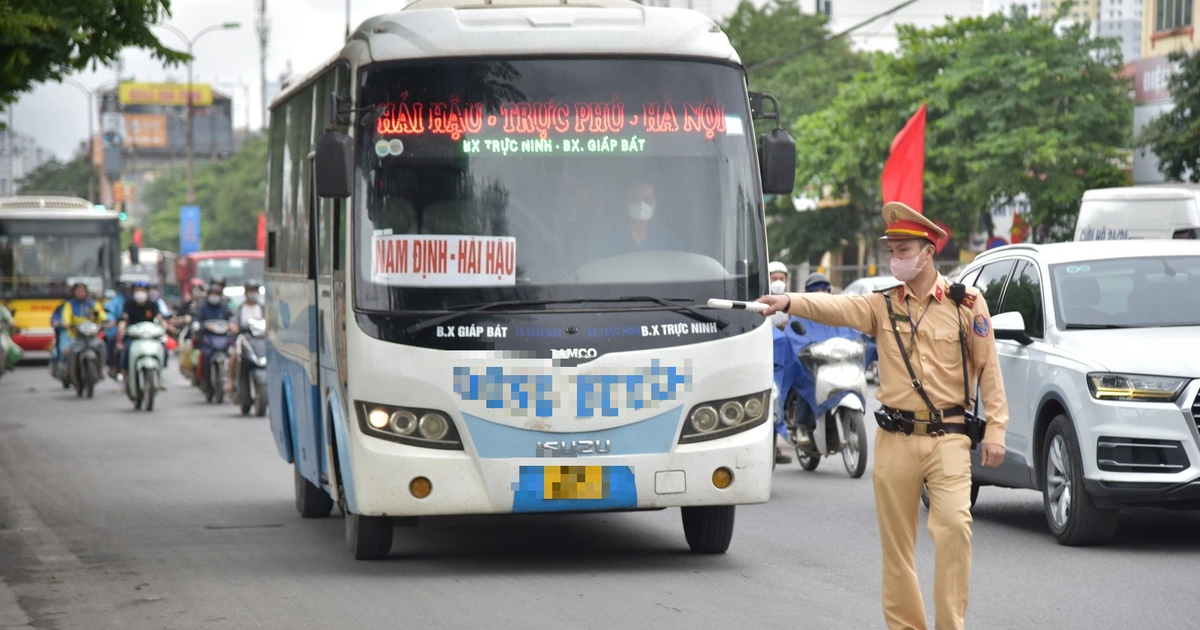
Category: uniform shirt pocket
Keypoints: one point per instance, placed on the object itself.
(947, 348)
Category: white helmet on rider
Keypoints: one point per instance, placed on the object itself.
(777, 267)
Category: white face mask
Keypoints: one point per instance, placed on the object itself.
(778, 287)
(140, 296)
(214, 299)
(641, 211)
(905, 269)
(252, 298)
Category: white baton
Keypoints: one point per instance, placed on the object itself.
(754, 307)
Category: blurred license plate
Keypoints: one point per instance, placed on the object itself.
(574, 482)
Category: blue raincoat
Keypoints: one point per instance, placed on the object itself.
(790, 374)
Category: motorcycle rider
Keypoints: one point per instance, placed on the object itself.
(778, 274)
(214, 307)
(251, 308)
(137, 310)
(78, 306)
(112, 308)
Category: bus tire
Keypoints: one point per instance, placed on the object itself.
(368, 537)
(708, 528)
(311, 501)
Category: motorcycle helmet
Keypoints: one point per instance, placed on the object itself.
(218, 281)
(817, 282)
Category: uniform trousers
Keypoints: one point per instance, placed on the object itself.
(903, 464)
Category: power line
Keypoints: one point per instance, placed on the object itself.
(814, 46)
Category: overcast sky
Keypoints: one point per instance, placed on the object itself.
(305, 32)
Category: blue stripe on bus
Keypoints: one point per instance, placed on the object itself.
(653, 435)
(529, 492)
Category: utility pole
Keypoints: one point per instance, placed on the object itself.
(191, 148)
(347, 19)
(264, 30)
(91, 159)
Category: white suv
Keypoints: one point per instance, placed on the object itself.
(1099, 346)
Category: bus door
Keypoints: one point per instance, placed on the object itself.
(327, 234)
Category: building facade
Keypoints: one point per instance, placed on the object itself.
(20, 155)
(1167, 26)
(1122, 20)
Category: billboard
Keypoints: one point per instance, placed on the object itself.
(171, 94)
(146, 130)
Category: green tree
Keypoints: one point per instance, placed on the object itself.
(46, 40)
(1175, 136)
(1013, 108)
(62, 178)
(230, 195)
(804, 84)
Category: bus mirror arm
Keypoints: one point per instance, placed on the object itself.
(334, 165)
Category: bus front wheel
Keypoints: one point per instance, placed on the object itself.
(311, 501)
(368, 537)
(709, 528)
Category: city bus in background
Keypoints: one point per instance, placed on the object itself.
(490, 248)
(162, 267)
(46, 245)
(235, 265)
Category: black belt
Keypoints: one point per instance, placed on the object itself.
(919, 423)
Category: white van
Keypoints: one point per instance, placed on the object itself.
(1139, 212)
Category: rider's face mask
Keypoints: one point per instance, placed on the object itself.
(140, 296)
(252, 297)
(214, 299)
(778, 287)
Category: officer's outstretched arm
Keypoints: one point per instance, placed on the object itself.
(855, 311)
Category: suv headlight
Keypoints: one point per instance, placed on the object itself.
(429, 428)
(1105, 386)
(719, 418)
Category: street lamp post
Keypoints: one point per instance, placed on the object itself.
(191, 151)
(91, 138)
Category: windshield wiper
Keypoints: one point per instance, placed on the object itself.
(477, 308)
(1093, 326)
(679, 308)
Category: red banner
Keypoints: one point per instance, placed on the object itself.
(262, 232)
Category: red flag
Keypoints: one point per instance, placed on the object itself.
(941, 244)
(904, 172)
(262, 232)
(137, 237)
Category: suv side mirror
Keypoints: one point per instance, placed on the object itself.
(334, 168)
(777, 161)
(1011, 327)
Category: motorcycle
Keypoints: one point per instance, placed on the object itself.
(214, 352)
(10, 352)
(87, 358)
(147, 353)
(250, 375)
(821, 375)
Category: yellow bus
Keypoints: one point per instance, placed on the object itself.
(46, 245)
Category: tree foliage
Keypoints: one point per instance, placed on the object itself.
(230, 195)
(1013, 108)
(1175, 136)
(46, 40)
(804, 84)
(62, 178)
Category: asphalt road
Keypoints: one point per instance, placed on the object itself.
(183, 518)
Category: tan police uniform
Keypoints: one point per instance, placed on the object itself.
(929, 329)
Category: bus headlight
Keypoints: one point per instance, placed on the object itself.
(429, 428)
(719, 418)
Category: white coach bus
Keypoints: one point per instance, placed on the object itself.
(493, 228)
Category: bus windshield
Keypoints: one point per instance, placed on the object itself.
(42, 258)
(485, 181)
(236, 270)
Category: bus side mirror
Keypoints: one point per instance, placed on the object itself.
(777, 161)
(334, 169)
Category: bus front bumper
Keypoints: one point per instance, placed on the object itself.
(687, 476)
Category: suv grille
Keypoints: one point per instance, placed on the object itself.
(1196, 410)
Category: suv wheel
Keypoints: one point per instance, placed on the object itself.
(1072, 516)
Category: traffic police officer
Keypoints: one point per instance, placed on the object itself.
(919, 324)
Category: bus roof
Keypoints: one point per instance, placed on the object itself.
(226, 253)
(428, 29)
(50, 207)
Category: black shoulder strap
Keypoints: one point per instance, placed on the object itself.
(962, 341)
(916, 383)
